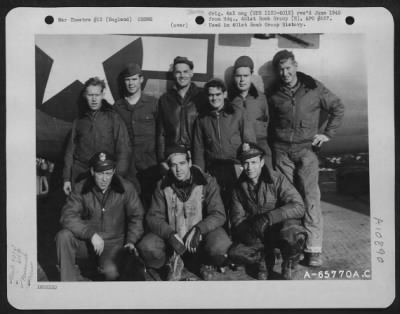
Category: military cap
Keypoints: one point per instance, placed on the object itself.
(185, 60)
(102, 161)
(131, 69)
(282, 55)
(244, 61)
(249, 150)
(176, 149)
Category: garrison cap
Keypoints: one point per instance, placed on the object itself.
(244, 61)
(185, 60)
(249, 150)
(131, 69)
(282, 55)
(176, 149)
(102, 161)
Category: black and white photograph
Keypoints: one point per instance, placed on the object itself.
(198, 159)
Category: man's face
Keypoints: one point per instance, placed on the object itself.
(252, 167)
(103, 178)
(242, 78)
(180, 167)
(216, 97)
(94, 96)
(133, 84)
(287, 72)
(183, 75)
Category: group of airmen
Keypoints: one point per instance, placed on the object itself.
(200, 176)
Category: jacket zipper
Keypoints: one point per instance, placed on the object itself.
(293, 101)
(219, 132)
(93, 120)
(102, 203)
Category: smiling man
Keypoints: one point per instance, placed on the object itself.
(139, 112)
(178, 109)
(296, 102)
(217, 136)
(99, 128)
(185, 219)
(266, 213)
(101, 215)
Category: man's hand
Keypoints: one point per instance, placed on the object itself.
(319, 139)
(193, 240)
(67, 187)
(165, 166)
(131, 247)
(98, 244)
(177, 243)
(260, 223)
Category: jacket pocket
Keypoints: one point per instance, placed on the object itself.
(235, 139)
(144, 126)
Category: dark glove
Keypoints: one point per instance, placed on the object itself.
(242, 254)
(196, 238)
(260, 223)
(177, 245)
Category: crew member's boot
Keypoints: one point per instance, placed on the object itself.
(313, 259)
(291, 254)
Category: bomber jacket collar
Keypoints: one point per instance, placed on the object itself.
(115, 185)
(192, 91)
(265, 176)
(197, 178)
(304, 79)
(252, 92)
(105, 107)
(226, 110)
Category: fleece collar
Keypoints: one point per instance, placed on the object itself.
(304, 79)
(115, 185)
(252, 92)
(105, 107)
(226, 110)
(265, 176)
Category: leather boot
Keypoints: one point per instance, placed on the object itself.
(313, 259)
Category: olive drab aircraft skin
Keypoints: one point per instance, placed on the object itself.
(337, 60)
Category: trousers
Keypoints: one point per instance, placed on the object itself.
(70, 248)
(302, 169)
(226, 175)
(148, 180)
(154, 250)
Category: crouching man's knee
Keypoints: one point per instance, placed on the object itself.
(292, 240)
(152, 250)
(216, 246)
(64, 237)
